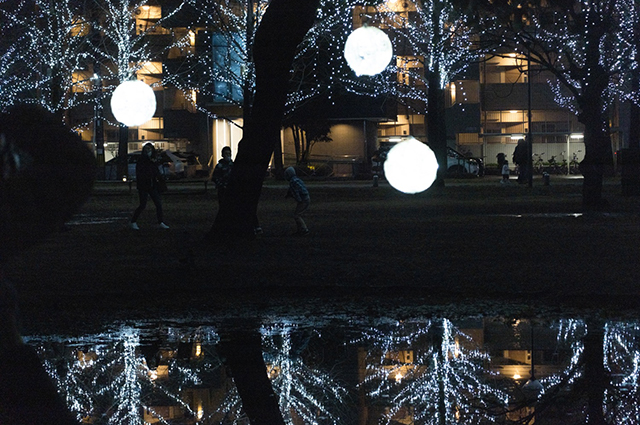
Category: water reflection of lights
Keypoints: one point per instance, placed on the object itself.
(200, 412)
(400, 364)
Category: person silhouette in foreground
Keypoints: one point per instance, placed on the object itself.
(298, 191)
(147, 181)
(46, 173)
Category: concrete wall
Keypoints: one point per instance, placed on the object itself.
(348, 140)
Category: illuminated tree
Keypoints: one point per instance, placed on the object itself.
(587, 47)
(221, 67)
(44, 43)
(424, 370)
(432, 44)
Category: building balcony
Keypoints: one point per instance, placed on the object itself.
(516, 96)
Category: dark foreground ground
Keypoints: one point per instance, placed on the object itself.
(474, 244)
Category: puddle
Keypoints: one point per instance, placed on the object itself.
(89, 219)
(542, 215)
(565, 215)
(468, 370)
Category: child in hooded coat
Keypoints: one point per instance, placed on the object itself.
(298, 190)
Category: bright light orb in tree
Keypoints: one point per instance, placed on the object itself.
(368, 51)
(133, 103)
(411, 166)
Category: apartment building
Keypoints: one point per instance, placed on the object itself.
(487, 110)
(488, 114)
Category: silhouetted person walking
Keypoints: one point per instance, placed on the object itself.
(147, 181)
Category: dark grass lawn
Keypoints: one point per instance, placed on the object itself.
(369, 248)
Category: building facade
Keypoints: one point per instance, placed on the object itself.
(497, 102)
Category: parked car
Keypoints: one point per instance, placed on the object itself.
(459, 164)
(177, 165)
(171, 166)
(193, 166)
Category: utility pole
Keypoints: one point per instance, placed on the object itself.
(123, 151)
(529, 133)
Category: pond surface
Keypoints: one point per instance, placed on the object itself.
(422, 370)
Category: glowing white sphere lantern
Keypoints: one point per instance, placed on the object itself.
(411, 166)
(368, 51)
(133, 103)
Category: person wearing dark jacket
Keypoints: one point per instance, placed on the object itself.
(147, 177)
(221, 173)
(521, 159)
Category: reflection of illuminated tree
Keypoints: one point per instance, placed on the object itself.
(622, 360)
(444, 383)
(104, 382)
(126, 384)
(602, 381)
(305, 393)
(112, 383)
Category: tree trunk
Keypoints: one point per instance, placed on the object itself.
(436, 128)
(634, 115)
(594, 373)
(241, 347)
(283, 27)
(598, 159)
(123, 151)
(278, 166)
